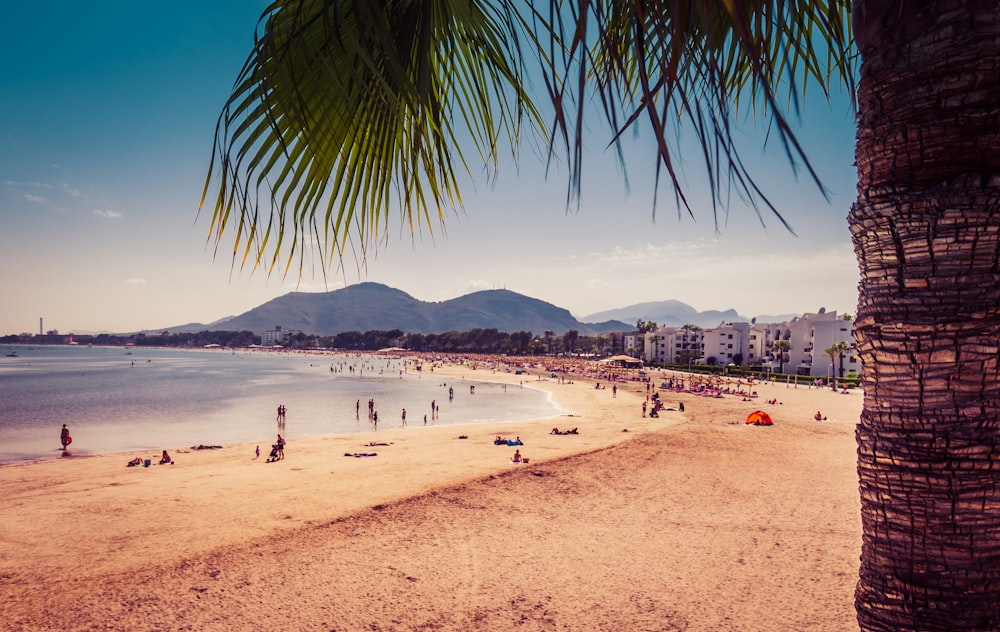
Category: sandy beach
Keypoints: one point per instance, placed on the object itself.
(690, 521)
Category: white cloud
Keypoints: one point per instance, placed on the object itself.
(35, 199)
(135, 281)
(34, 185)
(478, 285)
(71, 190)
(108, 214)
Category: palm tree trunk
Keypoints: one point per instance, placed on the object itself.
(926, 231)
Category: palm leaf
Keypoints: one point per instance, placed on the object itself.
(346, 111)
(692, 66)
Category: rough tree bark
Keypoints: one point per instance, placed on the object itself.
(926, 231)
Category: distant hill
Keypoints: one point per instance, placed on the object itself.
(373, 306)
(668, 314)
(775, 318)
(190, 328)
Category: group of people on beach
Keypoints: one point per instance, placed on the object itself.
(137, 461)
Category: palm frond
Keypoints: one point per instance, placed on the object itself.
(349, 111)
(346, 111)
(694, 66)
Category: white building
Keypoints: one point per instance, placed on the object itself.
(807, 336)
(274, 337)
(633, 344)
(674, 344)
(759, 344)
(726, 344)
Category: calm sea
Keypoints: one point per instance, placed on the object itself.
(147, 399)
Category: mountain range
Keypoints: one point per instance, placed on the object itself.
(373, 306)
(668, 314)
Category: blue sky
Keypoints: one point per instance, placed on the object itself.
(107, 114)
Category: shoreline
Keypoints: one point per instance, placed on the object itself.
(667, 489)
(322, 403)
(250, 445)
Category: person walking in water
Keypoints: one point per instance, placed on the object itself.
(64, 436)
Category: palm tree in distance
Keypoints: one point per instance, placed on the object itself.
(842, 347)
(832, 352)
(346, 111)
(653, 340)
(780, 347)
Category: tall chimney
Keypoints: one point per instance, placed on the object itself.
(40, 332)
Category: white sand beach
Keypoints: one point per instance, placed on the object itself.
(690, 521)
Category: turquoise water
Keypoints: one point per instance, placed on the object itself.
(140, 399)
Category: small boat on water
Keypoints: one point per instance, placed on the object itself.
(12, 354)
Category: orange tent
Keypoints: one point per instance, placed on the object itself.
(759, 418)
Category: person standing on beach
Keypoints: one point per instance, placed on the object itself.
(64, 436)
(280, 445)
(404, 417)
